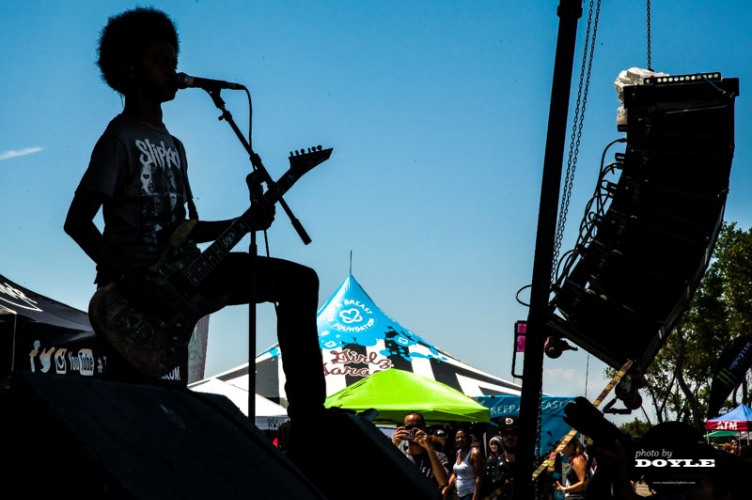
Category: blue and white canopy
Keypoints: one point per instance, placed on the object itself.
(357, 339)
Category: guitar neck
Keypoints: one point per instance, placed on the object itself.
(205, 263)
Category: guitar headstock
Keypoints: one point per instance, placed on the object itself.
(303, 160)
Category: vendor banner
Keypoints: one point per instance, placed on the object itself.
(42, 335)
(552, 428)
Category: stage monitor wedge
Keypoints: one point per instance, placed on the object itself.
(66, 436)
(634, 278)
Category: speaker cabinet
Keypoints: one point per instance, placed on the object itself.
(634, 278)
(65, 436)
(352, 458)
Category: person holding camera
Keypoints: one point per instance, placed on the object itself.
(431, 463)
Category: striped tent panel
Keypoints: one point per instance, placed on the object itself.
(357, 339)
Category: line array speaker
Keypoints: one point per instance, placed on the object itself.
(636, 276)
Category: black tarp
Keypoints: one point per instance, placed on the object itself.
(42, 335)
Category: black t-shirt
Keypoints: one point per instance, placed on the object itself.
(140, 171)
(497, 478)
(423, 462)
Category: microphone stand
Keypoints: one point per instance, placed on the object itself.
(261, 175)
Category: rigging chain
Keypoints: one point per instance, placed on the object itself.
(578, 122)
(650, 55)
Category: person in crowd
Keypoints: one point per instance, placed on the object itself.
(508, 432)
(419, 450)
(467, 471)
(494, 475)
(551, 476)
(733, 447)
(508, 428)
(475, 442)
(438, 439)
(576, 475)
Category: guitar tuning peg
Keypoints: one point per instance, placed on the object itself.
(318, 148)
(290, 153)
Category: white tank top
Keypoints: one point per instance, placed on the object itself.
(465, 475)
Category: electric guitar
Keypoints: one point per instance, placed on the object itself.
(152, 325)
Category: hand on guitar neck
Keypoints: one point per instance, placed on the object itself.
(262, 210)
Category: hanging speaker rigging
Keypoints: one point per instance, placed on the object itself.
(632, 277)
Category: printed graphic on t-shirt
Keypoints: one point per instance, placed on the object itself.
(161, 186)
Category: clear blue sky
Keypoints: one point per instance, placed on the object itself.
(437, 113)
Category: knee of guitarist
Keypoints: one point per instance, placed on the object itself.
(305, 284)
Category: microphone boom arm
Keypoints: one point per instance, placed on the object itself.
(260, 170)
(258, 166)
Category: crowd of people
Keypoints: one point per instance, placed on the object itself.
(463, 468)
(466, 468)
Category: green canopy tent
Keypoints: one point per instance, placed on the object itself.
(741, 435)
(717, 434)
(393, 393)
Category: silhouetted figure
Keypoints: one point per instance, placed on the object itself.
(138, 177)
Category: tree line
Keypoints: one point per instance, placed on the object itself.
(679, 379)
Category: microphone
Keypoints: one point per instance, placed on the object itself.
(185, 81)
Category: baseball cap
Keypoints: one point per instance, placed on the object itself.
(509, 423)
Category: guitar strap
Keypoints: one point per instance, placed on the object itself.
(192, 212)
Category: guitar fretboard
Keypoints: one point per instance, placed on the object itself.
(200, 268)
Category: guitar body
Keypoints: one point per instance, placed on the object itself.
(149, 318)
(152, 325)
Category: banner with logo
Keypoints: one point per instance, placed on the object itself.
(42, 335)
(729, 372)
(552, 427)
(46, 336)
(738, 419)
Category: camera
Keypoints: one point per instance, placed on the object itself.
(411, 434)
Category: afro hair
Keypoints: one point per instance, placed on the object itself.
(127, 36)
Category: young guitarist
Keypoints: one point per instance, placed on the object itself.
(137, 176)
